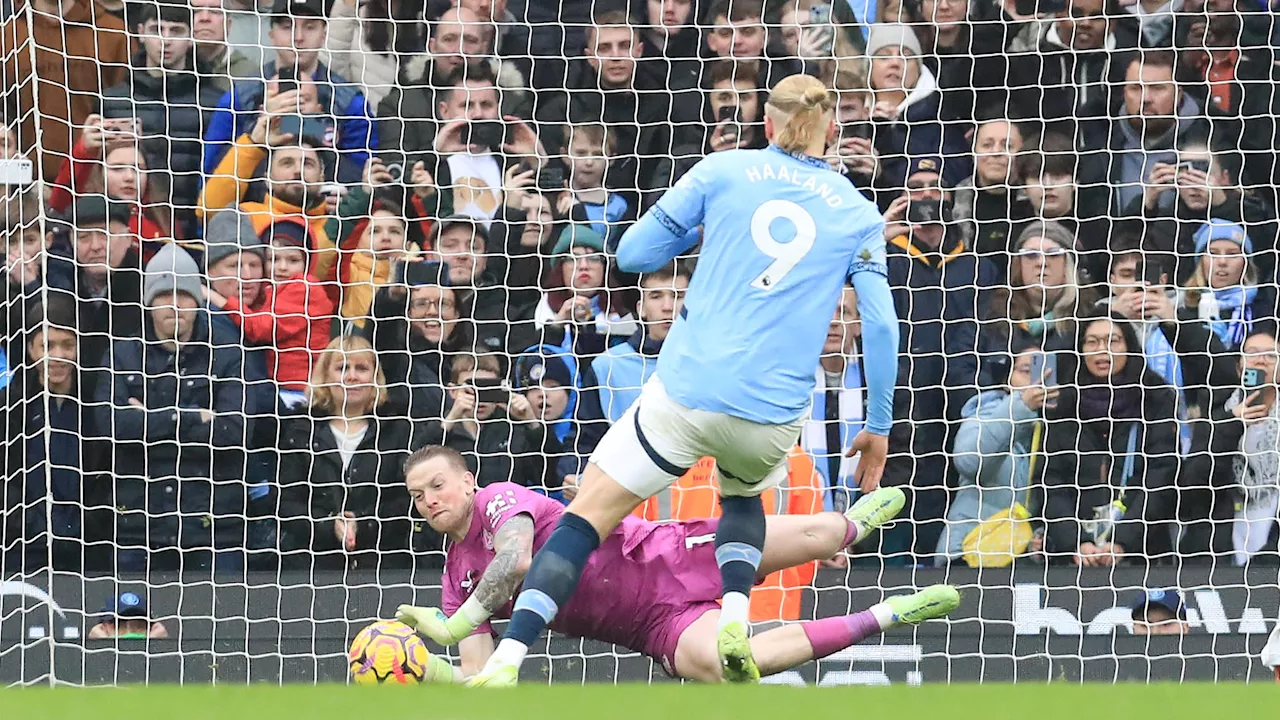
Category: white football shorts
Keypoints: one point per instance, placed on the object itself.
(657, 440)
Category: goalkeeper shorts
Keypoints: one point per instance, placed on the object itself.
(657, 440)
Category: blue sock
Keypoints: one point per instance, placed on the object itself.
(552, 577)
(739, 542)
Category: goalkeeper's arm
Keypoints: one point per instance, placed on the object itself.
(513, 551)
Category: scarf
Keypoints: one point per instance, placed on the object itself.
(1162, 360)
(1257, 469)
(1229, 313)
(1119, 399)
(813, 436)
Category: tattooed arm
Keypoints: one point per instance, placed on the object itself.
(513, 551)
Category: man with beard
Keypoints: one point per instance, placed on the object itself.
(1154, 119)
(291, 188)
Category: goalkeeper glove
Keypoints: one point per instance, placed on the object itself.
(433, 624)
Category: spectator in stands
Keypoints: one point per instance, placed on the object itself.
(1159, 612)
(939, 288)
(125, 617)
(508, 36)
(734, 109)
(111, 162)
(550, 380)
(671, 40)
(421, 325)
(373, 242)
(1068, 67)
(839, 399)
(322, 104)
(581, 298)
(1050, 175)
(1227, 66)
(1224, 291)
(25, 248)
(1155, 118)
(342, 498)
(996, 448)
(234, 259)
(105, 273)
(290, 188)
(370, 41)
(967, 58)
(217, 60)
(596, 195)
(462, 244)
(502, 442)
(473, 168)
(170, 104)
(460, 46)
(1250, 432)
(906, 109)
(1111, 450)
(988, 200)
(174, 407)
(623, 369)
(736, 31)
(294, 317)
(1180, 198)
(527, 233)
(50, 455)
(608, 86)
(79, 50)
(1044, 297)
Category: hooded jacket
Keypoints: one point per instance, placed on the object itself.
(918, 129)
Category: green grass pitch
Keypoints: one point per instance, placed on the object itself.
(644, 702)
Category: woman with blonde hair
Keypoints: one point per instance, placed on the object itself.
(1044, 297)
(343, 503)
(722, 388)
(1224, 290)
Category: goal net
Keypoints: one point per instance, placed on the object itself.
(259, 252)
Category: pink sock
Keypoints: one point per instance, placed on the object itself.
(850, 533)
(833, 634)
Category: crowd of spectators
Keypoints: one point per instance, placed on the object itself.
(272, 247)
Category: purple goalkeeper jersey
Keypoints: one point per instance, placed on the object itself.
(644, 585)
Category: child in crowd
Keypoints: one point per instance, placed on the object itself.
(296, 314)
(589, 199)
(370, 252)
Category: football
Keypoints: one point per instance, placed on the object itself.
(388, 652)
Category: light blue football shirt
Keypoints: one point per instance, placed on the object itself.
(781, 235)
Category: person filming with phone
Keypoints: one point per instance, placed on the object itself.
(1253, 432)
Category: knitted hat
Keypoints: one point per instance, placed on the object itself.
(885, 35)
(171, 270)
(578, 235)
(226, 233)
(1218, 229)
(1051, 230)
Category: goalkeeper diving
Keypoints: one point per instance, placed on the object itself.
(781, 235)
(651, 587)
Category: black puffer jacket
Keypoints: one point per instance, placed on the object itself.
(175, 108)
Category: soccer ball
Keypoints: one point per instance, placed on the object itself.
(388, 652)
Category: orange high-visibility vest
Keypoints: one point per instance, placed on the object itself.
(696, 495)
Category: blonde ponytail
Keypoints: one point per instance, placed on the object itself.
(799, 105)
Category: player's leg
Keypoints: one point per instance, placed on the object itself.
(631, 463)
(795, 644)
(791, 540)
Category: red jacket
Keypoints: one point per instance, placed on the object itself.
(293, 321)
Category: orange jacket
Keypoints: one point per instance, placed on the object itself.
(77, 56)
(696, 495)
(227, 186)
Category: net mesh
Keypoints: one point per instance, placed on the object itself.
(258, 252)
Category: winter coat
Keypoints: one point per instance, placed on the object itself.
(174, 108)
(175, 473)
(77, 56)
(345, 122)
(919, 130)
(992, 457)
(294, 322)
(315, 489)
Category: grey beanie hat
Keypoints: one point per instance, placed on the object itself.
(171, 270)
(228, 232)
(1049, 230)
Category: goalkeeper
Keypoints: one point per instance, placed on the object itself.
(652, 587)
